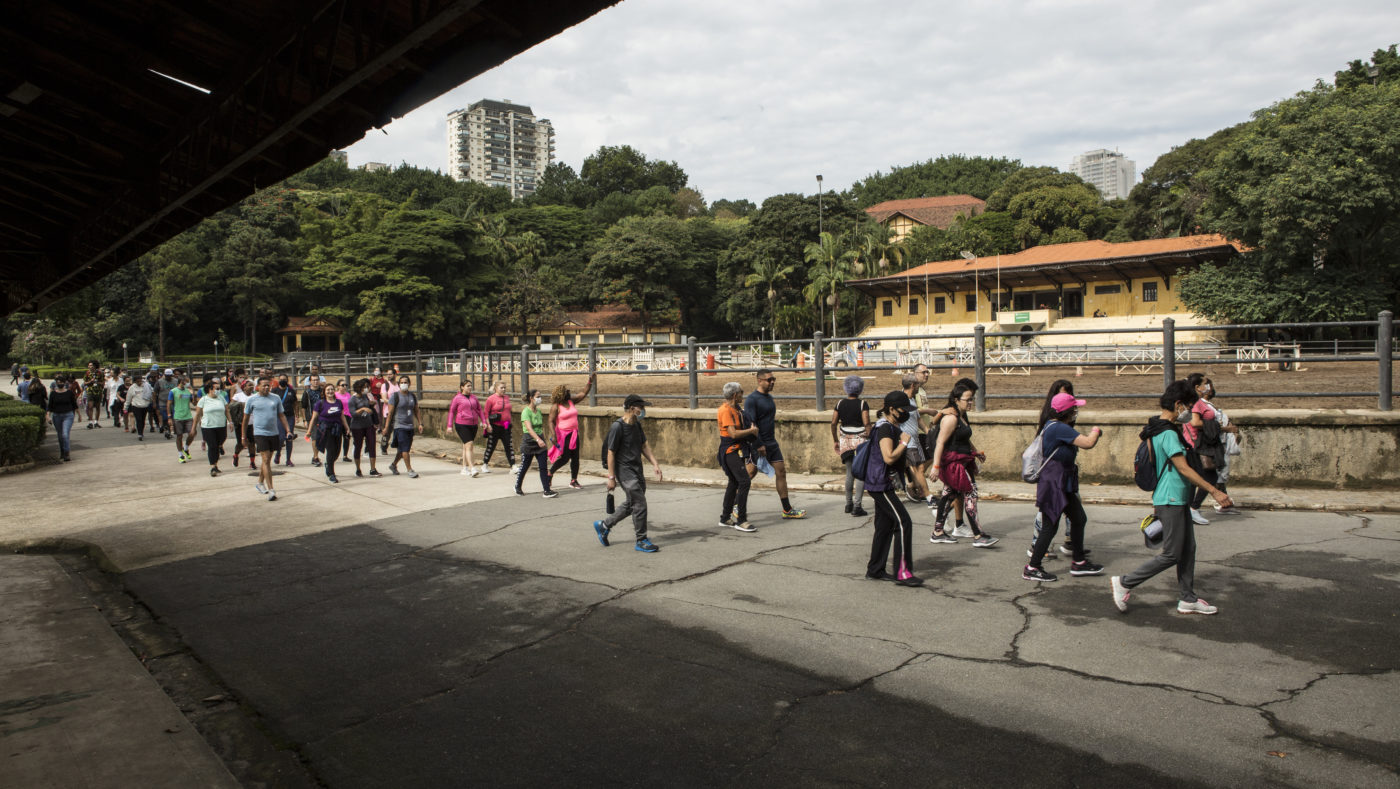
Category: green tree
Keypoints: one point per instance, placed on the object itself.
(261, 266)
(635, 265)
(560, 185)
(1384, 67)
(626, 170)
(978, 176)
(175, 282)
(732, 209)
(1168, 201)
(831, 267)
(1308, 186)
(768, 275)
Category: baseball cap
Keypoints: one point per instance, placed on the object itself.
(1064, 401)
(169, 371)
(634, 401)
(896, 399)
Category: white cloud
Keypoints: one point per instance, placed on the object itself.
(755, 97)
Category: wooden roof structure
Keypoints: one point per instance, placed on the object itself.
(124, 122)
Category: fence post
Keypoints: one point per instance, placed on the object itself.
(1168, 351)
(461, 367)
(347, 372)
(593, 370)
(692, 373)
(418, 373)
(524, 373)
(1385, 335)
(819, 369)
(979, 364)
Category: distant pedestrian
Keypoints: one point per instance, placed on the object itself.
(736, 435)
(14, 372)
(762, 411)
(93, 392)
(140, 400)
(850, 427)
(893, 526)
(62, 407)
(331, 428)
(263, 413)
(916, 456)
(1230, 440)
(287, 394)
(342, 393)
(22, 391)
(36, 393)
(534, 447)
(465, 415)
(181, 416)
(1204, 434)
(109, 396)
(498, 426)
(954, 463)
(363, 415)
(211, 419)
(162, 387)
(119, 409)
(1171, 502)
(404, 422)
(626, 445)
(563, 429)
(1057, 490)
(313, 391)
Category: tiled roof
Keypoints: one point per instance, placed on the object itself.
(1087, 252)
(611, 317)
(302, 324)
(939, 212)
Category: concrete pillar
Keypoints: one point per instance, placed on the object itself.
(819, 369)
(1385, 334)
(979, 365)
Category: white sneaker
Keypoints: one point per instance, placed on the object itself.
(1199, 519)
(485, 469)
(472, 471)
(1120, 593)
(515, 469)
(1198, 607)
(271, 494)
(1219, 510)
(467, 472)
(962, 531)
(261, 488)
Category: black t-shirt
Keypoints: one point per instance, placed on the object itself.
(849, 411)
(627, 444)
(64, 402)
(762, 411)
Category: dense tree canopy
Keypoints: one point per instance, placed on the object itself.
(407, 257)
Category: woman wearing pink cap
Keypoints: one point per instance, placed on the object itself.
(1057, 489)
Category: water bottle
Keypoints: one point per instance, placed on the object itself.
(612, 504)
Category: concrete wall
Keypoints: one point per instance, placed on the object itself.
(1293, 447)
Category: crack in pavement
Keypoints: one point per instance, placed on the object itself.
(810, 626)
(1365, 524)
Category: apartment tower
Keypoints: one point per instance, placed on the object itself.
(499, 143)
(1108, 171)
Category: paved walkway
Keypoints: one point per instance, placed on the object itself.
(439, 630)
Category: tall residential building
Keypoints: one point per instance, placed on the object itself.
(1108, 171)
(499, 143)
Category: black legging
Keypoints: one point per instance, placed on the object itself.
(736, 493)
(363, 436)
(892, 525)
(1211, 475)
(329, 444)
(540, 460)
(1074, 512)
(950, 496)
(497, 434)
(214, 438)
(141, 414)
(570, 456)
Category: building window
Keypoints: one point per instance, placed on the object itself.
(913, 306)
(1149, 291)
(938, 304)
(887, 308)
(1107, 290)
(971, 303)
(612, 338)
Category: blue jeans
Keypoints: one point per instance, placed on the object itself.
(63, 426)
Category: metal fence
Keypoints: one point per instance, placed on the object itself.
(1009, 352)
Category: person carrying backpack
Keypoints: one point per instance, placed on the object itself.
(1057, 489)
(1171, 502)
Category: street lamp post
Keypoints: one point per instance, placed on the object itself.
(124, 365)
(819, 207)
(216, 353)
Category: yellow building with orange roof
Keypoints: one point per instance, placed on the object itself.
(1124, 287)
(903, 216)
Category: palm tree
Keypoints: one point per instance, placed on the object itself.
(768, 273)
(830, 271)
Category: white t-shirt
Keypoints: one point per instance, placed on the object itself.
(240, 397)
(111, 389)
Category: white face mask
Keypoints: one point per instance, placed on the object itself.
(538, 399)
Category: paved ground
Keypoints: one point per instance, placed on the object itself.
(440, 631)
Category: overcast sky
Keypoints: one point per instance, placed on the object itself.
(755, 97)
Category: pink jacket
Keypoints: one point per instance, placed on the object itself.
(465, 410)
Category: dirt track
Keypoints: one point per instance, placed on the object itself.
(1233, 388)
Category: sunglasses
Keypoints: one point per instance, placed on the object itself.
(768, 380)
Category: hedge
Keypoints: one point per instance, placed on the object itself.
(19, 436)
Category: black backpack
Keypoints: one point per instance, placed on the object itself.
(1145, 471)
(861, 461)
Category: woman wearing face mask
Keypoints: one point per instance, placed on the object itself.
(892, 522)
(362, 417)
(1204, 434)
(404, 421)
(533, 447)
(62, 406)
(1057, 489)
(955, 465)
(497, 426)
(466, 416)
(1060, 386)
(563, 427)
(331, 427)
(1230, 445)
(211, 419)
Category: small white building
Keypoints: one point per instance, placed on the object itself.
(1110, 172)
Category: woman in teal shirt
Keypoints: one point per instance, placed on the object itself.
(1171, 502)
